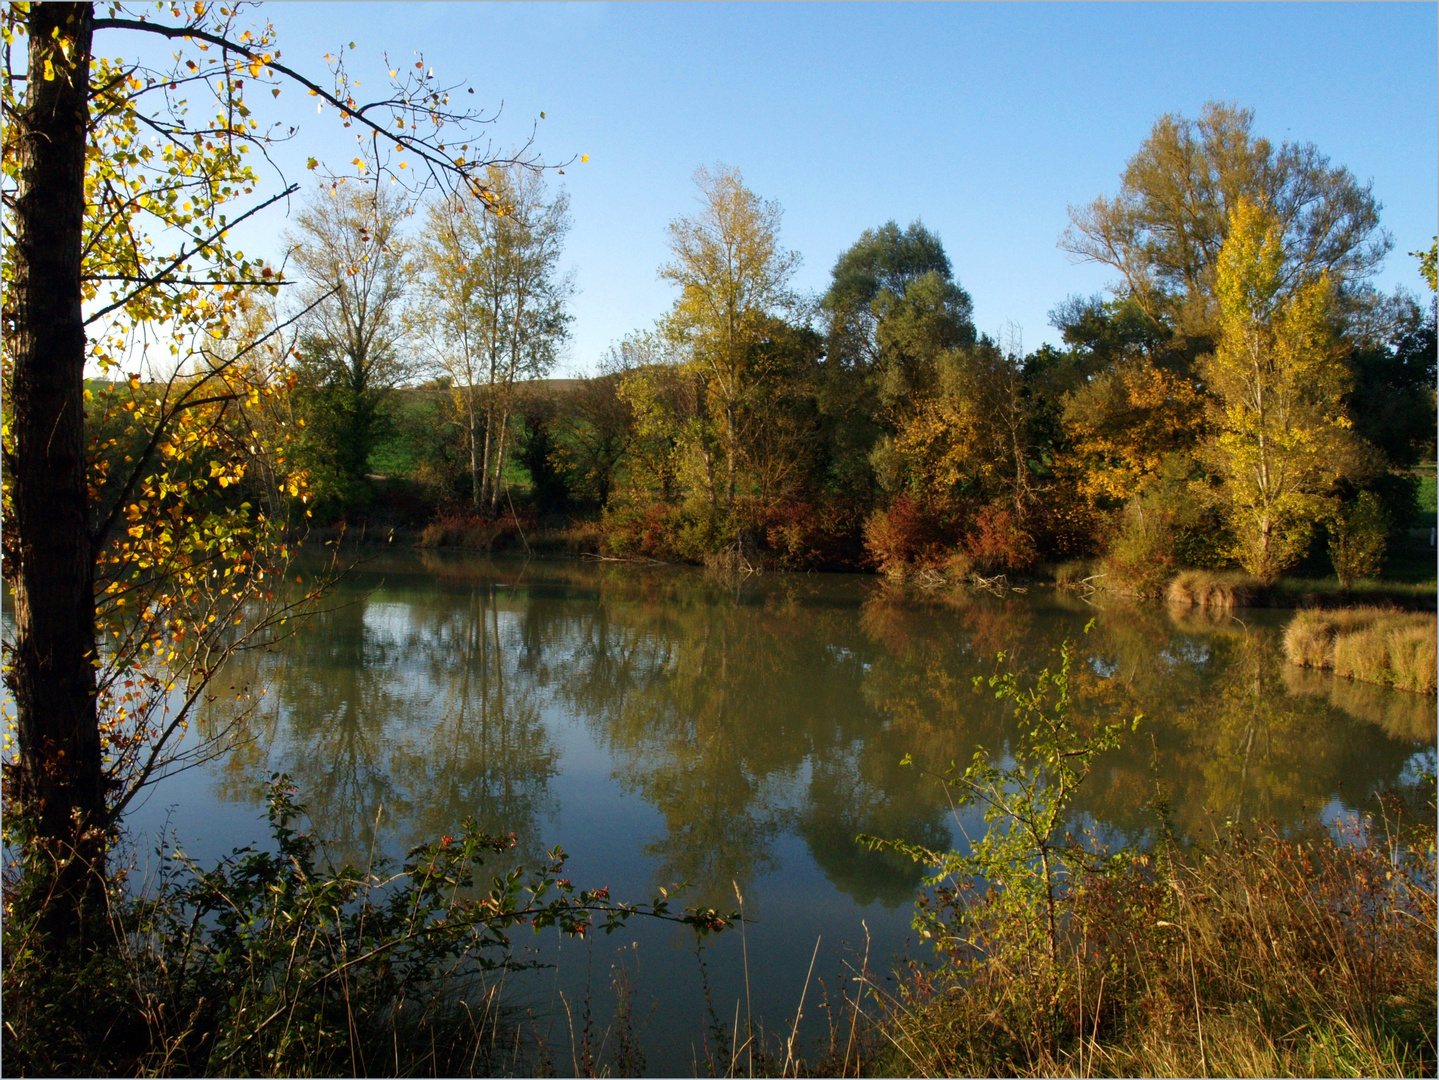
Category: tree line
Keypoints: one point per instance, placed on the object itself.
(1242, 394)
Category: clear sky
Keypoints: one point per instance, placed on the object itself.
(985, 121)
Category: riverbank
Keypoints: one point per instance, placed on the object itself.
(559, 538)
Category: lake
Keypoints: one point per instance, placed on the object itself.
(668, 725)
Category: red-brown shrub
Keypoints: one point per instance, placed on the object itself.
(809, 536)
(904, 535)
(998, 542)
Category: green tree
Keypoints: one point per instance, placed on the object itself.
(1280, 438)
(351, 251)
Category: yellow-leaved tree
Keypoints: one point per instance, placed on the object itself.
(144, 515)
(734, 281)
(1280, 436)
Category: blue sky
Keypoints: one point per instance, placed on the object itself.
(986, 121)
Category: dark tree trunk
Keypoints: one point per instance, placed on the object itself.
(57, 785)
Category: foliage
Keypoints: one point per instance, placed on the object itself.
(494, 307)
(1177, 202)
(904, 535)
(1280, 431)
(1257, 954)
(733, 277)
(272, 964)
(121, 182)
(999, 542)
(352, 252)
(1020, 869)
(1358, 537)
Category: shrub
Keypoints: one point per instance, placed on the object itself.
(638, 530)
(1358, 538)
(273, 965)
(809, 536)
(998, 542)
(1259, 955)
(904, 536)
(1141, 556)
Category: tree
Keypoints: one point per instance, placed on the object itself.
(1164, 231)
(734, 279)
(893, 309)
(1280, 434)
(872, 276)
(496, 302)
(96, 214)
(353, 256)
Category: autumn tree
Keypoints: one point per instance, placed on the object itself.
(352, 253)
(496, 306)
(733, 277)
(1164, 231)
(121, 184)
(1280, 434)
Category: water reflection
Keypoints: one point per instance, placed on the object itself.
(743, 713)
(406, 710)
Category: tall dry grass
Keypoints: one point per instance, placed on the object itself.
(1390, 648)
(1260, 956)
(1208, 590)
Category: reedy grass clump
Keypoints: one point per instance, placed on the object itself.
(1391, 648)
(1211, 591)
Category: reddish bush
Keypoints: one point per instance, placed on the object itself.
(905, 535)
(806, 536)
(639, 530)
(998, 542)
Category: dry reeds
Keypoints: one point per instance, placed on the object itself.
(1211, 591)
(1262, 956)
(1390, 648)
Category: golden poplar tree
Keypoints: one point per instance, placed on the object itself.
(1280, 435)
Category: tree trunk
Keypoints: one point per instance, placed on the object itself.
(474, 448)
(58, 780)
(500, 455)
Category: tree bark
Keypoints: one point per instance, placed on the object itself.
(57, 780)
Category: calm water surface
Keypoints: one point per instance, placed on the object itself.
(663, 725)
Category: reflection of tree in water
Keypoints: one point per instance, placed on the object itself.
(1230, 739)
(713, 703)
(782, 704)
(1226, 733)
(405, 705)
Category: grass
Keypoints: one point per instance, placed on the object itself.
(1370, 644)
(1258, 955)
(1211, 590)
